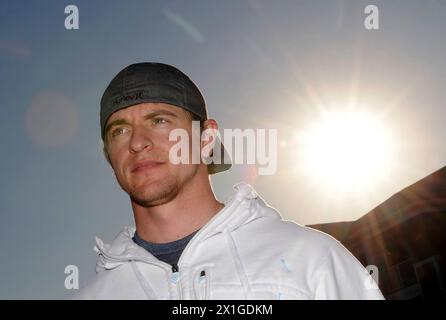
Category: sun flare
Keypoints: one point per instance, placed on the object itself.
(346, 150)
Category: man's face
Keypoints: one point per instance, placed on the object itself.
(137, 141)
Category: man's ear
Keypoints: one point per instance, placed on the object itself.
(208, 136)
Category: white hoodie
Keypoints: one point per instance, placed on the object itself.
(246, 251)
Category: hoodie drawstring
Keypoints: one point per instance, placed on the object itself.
(203, 279)
(238, 263)
(207, 285)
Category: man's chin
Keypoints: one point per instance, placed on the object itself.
(153, 194)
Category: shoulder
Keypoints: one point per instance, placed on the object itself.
(272, 228)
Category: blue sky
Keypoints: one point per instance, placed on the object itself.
(255, 62)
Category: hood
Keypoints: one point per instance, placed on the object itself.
(244, 206)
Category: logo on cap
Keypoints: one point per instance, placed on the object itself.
(135, 96)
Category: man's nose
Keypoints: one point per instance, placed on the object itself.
(140, 140)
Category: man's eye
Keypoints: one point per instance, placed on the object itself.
(118, 131)
(159, 120)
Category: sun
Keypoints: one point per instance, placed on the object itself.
(348, 150)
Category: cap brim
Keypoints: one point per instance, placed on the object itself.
(214, 168)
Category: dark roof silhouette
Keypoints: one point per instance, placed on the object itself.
(425, 195)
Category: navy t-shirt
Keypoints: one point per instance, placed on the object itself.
(169, 252)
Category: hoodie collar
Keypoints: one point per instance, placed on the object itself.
(242, 207)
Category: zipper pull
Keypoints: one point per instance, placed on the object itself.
(175, 276)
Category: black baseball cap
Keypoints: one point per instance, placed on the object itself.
(156, 82)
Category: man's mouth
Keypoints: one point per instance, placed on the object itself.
(145, 165)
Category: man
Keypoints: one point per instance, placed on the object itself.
(187, 244)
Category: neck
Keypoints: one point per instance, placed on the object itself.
(190, 210)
